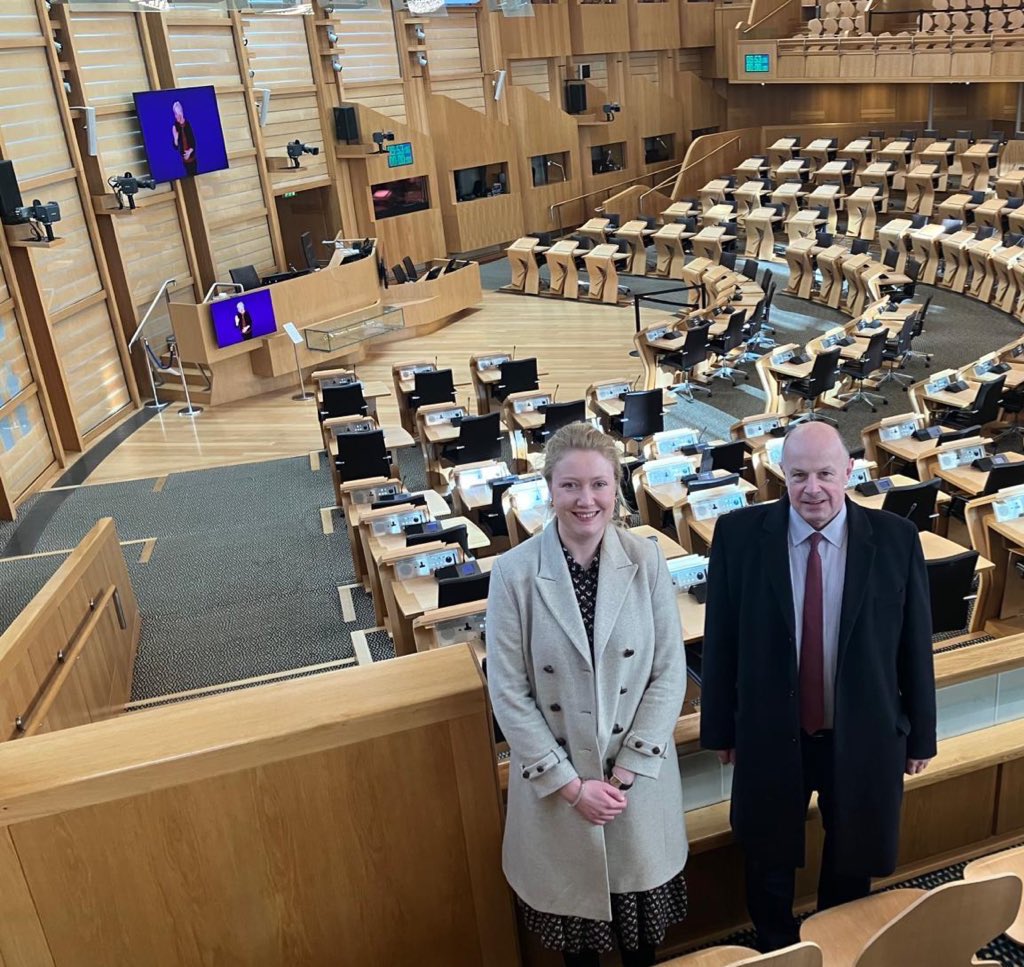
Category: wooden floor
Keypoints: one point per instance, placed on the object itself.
(575, 345)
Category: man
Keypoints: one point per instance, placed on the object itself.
(817, 676)
(184, 139)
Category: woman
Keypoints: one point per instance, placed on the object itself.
(587, 675)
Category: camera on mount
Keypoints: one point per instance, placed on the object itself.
(610, 110)
(379, 137)
(296, 149)
(128, 186)
(37, 214)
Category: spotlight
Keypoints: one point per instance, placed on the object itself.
(296, 149)
(421, 59)
(332, 37)
(37, 214)
(610, 110)
(127, 186)
(379, 137)
(336, 64)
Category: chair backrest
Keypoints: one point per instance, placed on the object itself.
(823, 240)
(951, 225)
(871, 358)
(947, 925)
(916, 502)
(480, 438)
(986, 403)
(246, 276)
(435, 386)
(613, 219)
(728, 260)
(399, 273)
(986, 231)
(859, 246)
(308, 251)
(920, 315)
(891, 257)
(518, 375)
(918, 221)
(343, 401)
(907, 134)
(977, 197)
(949, 585)
(557, 415)
(824, 371)
(642, 414)
(876, 133)
(695, 347)
(410, 268)
(729, 456)
(750, 269)
(963, 135)
(1008, 475)
(362, 455)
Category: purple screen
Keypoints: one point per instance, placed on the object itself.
(181, 132)
(230, 324)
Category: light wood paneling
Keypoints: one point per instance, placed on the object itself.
(295, 116)
(696, 23)
(92, 367)
(15, 371)
(598, 27)
(644, 64)
(384, 99)
(18, 19)
(110, 57)
(598, 64)
(544, 33)
(22, 943)
(533, 74)
(468, 91)
(29, 121)
(68, 272)
(26, 452)
(452, 45)
(367, 38)
(278, 52)
(203, 54)
(654, 25)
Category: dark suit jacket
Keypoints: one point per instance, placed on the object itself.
(884, 689)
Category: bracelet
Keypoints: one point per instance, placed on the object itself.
(579, 795)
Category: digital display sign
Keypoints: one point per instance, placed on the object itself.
(757, 63)
(400, 154)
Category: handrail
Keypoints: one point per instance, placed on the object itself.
(693, 164)
(145, 318)
(654, 188)
(748, 27)
(597, 191)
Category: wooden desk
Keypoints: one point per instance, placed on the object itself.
(780, 152)
(395, 438)
(602, 273)
(708, 243)
(820, 152)
(976, 164)
(670, 548)
(1003, 539)
(704, 530)
(668, 243)
(712, 194)
(801, 272)
(717, 215)
(829, 197)
(678, 210)
(897, 153)
(752, 168)
(1005, 290)
(561, 259)
(892, 236)
(924, 245)
(830, 264)
(804, 224)
(938, 548)
(879, 173)
(636, 233)
(969, 480)
(522, 259)
(860, 151)
(691, 617)
(956, 264)
(862, 212)
(1011, 184)
(982, 276)
(796, 168)
(876, 501)
(596, 229)
(789, 194)
(921, 182)
(990, 213)
(748, 197)
(940, 154)
(760, 226)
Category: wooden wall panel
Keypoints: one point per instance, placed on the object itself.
(385, 99)
(26, 451)
(278, 52)
(29, 120)
(468, 91)
(452, 45)
(598, 64)
(91, 364)
(18, 19)
(234, 116)
(68, 272)
(203, 54)
(295, 116)
(532, 74)
(110, 59)
(644, 64)
(366, 38)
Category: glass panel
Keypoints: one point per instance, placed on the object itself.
(966, 707)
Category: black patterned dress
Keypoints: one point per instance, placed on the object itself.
(638, 919)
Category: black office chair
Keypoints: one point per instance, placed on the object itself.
(963, 135)
(246, 276)
(479, 440)
(557, 415)
(895, 354)
(907, 134)
(918, 329)
(492, 517)
(890, 258)
(860, 369)
(859, 246)
(693, 352)
(750, 269)
(915, 502)
(308, 251)
(950, 581)
(641, 415)
(824, 239)
(983, 409)
(766, 279)
(755, 330)
(399, 273)
(877, 133)
(999, 478)
(362, 455)
(730, 457)
(951, 225)
(723, 344)
(918, 221)
(342, 401)
(1012, 403)
(614, 219)
(986, 231)
(410, 269)
(731, 228)
(822, 377)
(728, 261)
(434, 386)
(516, 376)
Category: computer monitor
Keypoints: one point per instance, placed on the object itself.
(462, 589)
(308, 251)
(448, 535)
(243, 317)
(181, 132)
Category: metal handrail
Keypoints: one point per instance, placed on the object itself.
(145, 318)
(745, 29)
(597, 191)
(654, 188)
(693, 164)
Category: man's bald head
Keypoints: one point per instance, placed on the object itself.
(817, 466)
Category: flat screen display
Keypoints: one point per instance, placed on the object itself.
(391, 198)
(757, 63)
(245, 316)
(400, 154)
(181, 132)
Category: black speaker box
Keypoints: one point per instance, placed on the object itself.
(575, 97)
(10, 194)
(346, 124)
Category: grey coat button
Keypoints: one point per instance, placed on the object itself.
(549, 669)
(638, 745)
(526, 773)
(655, 750)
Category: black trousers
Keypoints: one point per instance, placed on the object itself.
(770, 888)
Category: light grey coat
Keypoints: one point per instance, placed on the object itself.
(566, 716)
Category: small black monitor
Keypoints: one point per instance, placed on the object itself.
(433, 273)
(346, 124)
(449, 535)
(389, 500)
(461, 590)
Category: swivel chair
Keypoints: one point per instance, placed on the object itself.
(730, 457)
(362, 455)
(557, 415)
(918, 329)
(860, 369)
(915, 502)
(895, 352)
(342, 401)
(479, 440)
(723, 344)
(642, 415)
(492, 517)
(859, 246)
(694, 351)
(433, 386)
(984, 407)
(246, 276)
(750, 269)
(822, 377)
(999, 478)
(516, 376)
(950, 581)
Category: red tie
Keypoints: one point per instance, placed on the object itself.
(812, 651)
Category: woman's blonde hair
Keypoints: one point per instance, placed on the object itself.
(581, 436)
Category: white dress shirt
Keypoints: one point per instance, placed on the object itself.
(833, 573)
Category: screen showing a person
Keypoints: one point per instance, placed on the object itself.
(181, 132)
(242, 317)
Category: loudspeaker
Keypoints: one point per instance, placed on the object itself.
(346, 124)
(10, 194)
(575, 97)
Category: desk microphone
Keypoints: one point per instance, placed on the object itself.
(554, 395)
(910, 512)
